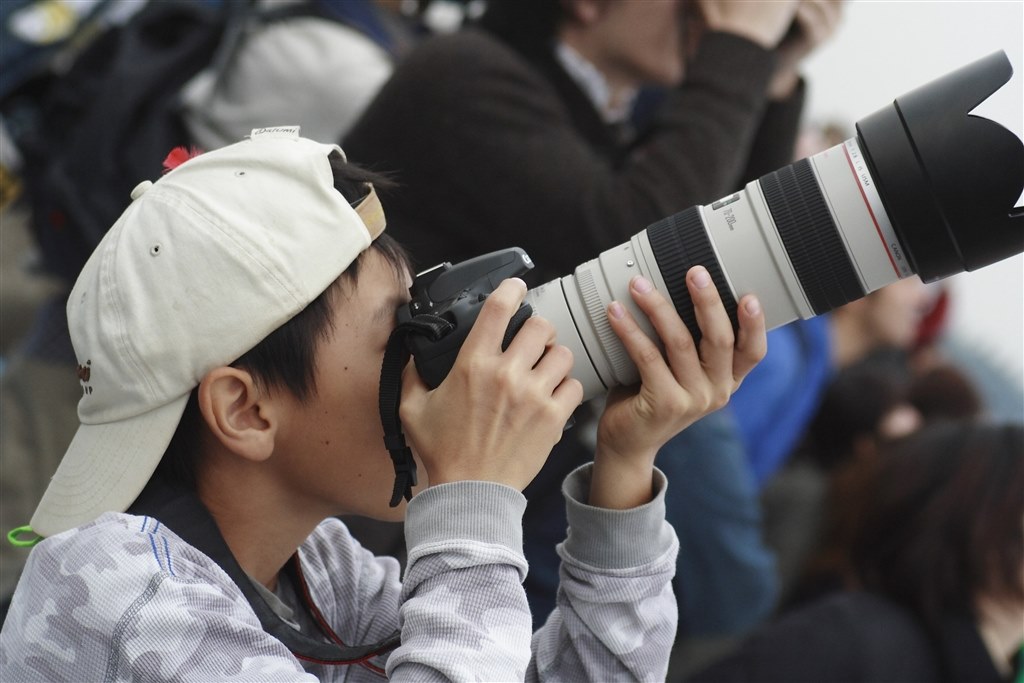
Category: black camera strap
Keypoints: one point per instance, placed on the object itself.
(396, 356)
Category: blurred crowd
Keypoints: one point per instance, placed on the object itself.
(855, 513)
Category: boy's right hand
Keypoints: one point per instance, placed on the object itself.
(497, 414)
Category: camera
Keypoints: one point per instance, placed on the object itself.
(923, 188)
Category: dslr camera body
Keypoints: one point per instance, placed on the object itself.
(455, 295)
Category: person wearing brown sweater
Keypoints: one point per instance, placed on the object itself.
(496, 139)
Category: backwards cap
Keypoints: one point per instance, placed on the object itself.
(201, 267)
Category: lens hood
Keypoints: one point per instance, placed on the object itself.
(949, 180)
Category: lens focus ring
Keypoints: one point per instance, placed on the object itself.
(680, 242)
(594, 303)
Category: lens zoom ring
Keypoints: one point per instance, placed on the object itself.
(811, 237)
(680, 242)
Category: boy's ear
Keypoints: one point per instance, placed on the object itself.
(241, 418)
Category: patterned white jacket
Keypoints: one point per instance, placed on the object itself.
(125, 598)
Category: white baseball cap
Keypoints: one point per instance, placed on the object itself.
(202, 266)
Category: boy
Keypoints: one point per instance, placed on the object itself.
(230, 330)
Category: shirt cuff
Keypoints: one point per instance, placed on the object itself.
(479, 511)
(615, 539)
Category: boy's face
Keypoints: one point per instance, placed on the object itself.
(333, 448)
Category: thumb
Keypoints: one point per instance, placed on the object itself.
(413, 386)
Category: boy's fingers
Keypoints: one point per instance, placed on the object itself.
(501, 304)
(531, 342)
(644, 353)
(553, 366)
(717, 336)
(412, 383)
(751, 342)
(672, 331)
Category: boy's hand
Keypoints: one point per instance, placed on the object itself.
(676, 388)
(497, 414)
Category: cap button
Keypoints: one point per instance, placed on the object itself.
(141, 188)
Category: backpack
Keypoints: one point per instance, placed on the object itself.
(34, 33)
(88, 135)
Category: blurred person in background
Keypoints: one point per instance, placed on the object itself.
(529, 120)
(1001, 386)
(776, 405)
(934, 585)
(771, 413)
(862, 405)
(318, 69)
(38, 388)
(867, 404)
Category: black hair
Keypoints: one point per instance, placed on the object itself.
(844, 415)
(946, 392)
(941, 521)
(286, 358)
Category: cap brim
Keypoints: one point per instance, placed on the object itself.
(105, 468)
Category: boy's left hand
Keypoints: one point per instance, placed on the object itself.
(677, 388)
